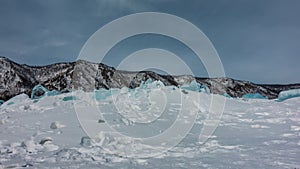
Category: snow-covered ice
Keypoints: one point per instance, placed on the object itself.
(284, 95)
(45, 132)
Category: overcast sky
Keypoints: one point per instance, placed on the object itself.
(256, 40)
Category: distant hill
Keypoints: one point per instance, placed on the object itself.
(19, 78)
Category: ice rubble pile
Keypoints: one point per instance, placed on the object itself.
(253, 96)
(144, 88)
(39, 91)
(195, 86)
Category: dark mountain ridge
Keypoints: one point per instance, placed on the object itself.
(19, 78)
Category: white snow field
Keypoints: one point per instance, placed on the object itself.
(46, 133)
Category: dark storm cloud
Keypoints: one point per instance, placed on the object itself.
(256, 40)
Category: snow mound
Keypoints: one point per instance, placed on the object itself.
(288, 94)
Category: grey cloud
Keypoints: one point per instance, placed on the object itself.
(256, 40)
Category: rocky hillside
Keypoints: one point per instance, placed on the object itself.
(17, 78)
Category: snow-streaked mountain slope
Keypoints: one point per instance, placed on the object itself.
(46, 133)
(16, 79)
